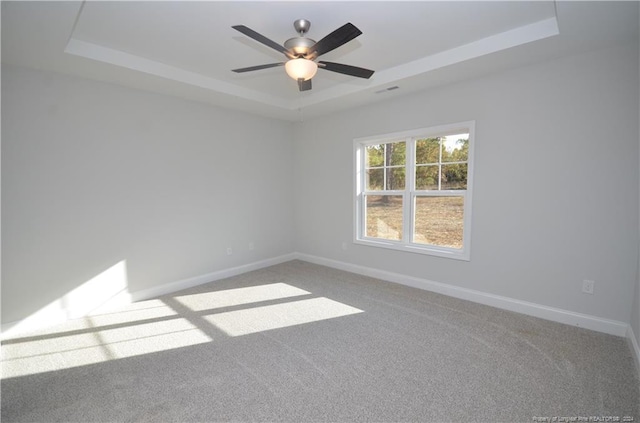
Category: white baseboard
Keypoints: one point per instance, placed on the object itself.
(612, 327)
(169, 288)
(56, 313)
(635, 348)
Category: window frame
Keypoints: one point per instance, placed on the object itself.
(409, 193)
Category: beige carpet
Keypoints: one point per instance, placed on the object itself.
(299, 342)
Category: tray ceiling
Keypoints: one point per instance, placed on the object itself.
(188, 49)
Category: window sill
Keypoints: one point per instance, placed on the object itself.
(429, 250)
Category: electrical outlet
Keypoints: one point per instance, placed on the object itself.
(251, 246)
(587, 286)
(229, 251)
(344, 246)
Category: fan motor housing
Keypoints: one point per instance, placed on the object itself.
(299, 45)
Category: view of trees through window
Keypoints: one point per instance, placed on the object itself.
(432, 185)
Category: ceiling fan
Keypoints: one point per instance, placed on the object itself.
(302, 53)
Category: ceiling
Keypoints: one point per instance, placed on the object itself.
(187, 49)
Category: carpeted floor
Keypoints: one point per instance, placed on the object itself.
(299, 342)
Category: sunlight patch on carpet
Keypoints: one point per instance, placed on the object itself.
(258, 319)
(155, 325)
(97, 345)
(239, 296)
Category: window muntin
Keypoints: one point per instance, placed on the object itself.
(441, 162)
(385, 166)
(413, 190)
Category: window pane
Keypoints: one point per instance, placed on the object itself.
(390, 154)
(456, 148)
(427, 177)
(454, 176)
(439, 221)
(396, 154)
(375, 155)
(384, 216)
(428, 150)
(395, 178)
(375, 179)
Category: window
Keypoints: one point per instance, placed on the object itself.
(413, 190)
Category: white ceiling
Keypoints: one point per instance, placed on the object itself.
(187, 49)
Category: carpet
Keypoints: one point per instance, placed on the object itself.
(298, 342)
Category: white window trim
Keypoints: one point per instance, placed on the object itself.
(358, 179)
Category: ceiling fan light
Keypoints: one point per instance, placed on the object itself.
(301, 69)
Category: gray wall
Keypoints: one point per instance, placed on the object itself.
(556, 182)
(635, 310)
(93, 174)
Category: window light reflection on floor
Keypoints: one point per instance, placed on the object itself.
(80, 333)
(258, 319)
(101, 338)
(160, 325)
(239, 296)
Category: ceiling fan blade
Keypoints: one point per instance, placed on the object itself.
(304, 85)
(262, 39)
(340, 36)
(254, 68)
(346, 69)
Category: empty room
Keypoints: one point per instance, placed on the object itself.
(309, 211)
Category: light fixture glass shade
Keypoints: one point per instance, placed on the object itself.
(301, 69)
